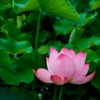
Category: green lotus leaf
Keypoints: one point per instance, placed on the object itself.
(31, 5)
(94, 4)
(14, 47)
(13, 76)
(60, 8)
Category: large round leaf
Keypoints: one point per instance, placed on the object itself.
(15, 78)
(94, 4)
(63, 27)
(15, 4)
(31, 5)
(11, 76)
(87, 42)
(11, 31)
(85, 18)
(19, 4)
(60, 8)
(14, 47)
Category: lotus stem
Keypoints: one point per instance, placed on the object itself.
(55, 92)
(61, 92)
(36, 47)
(37, 38)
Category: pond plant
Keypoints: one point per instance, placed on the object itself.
(49, 49)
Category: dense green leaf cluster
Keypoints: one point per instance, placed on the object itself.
(74, 24)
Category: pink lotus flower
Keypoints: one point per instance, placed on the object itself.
(65, 67)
